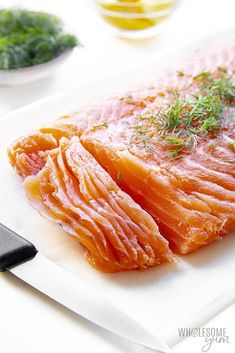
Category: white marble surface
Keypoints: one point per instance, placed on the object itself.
(28, 321)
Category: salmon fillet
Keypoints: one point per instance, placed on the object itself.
(189, 191)
(72, 189)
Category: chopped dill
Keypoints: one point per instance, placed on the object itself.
(182, 121)
(223, 87)
(29, 38)
(213, 143)
(175, 141)
(204, 75)
(171, 119)
(230, 160)
(177, 146)
(173, 91)
(127, 98)
(222, 70)
(207, 110)
(180, 73)
(100, 126)
(210, 124)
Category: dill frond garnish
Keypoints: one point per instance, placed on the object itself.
(221, 70)
(180, 123)
(180, 73)
(172, 118)
(230, 160)
(100, 126)
(173, 91)
(223, 88)
(126, 97)
(213, 143)
(202, 76)
(205, 113)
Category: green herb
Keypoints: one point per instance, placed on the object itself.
(207, 110)
(100, 126)
(29, 38)
(127, 97)
(176, 141)
(172, 117)
(222, 70)
(180, 73)
(173, 91)
(212, 143)
(230, 160)
(210, 124)
(178, 146)
(142, 137)
(184, 120)
(202, 76)
(223, 87)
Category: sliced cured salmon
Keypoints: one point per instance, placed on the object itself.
(169, 144)
(72, 189)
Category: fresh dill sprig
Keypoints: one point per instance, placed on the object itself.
(205, 113)
(202, 76)
(230, 160)
(223, 88)
(29, 38)
(183, 121)
(180, 73)
(100, 126)
(177, 145)
(175, 141)
(171, 119)
(213, 143)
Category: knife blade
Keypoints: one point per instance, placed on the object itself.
(21, 258)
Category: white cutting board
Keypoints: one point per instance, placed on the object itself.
(163, 298)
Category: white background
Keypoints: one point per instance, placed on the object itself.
(28, 321)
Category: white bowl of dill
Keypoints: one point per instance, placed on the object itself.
(32, 45)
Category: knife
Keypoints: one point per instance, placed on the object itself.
(21, 258)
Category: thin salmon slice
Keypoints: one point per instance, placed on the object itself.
(192, 198)
(73, 190)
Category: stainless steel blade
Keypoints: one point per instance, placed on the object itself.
(74, 294)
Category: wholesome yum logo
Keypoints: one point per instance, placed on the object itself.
(211, 335)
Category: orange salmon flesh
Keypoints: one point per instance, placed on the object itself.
(129, 206)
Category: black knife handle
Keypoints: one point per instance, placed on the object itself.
(14, 249)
